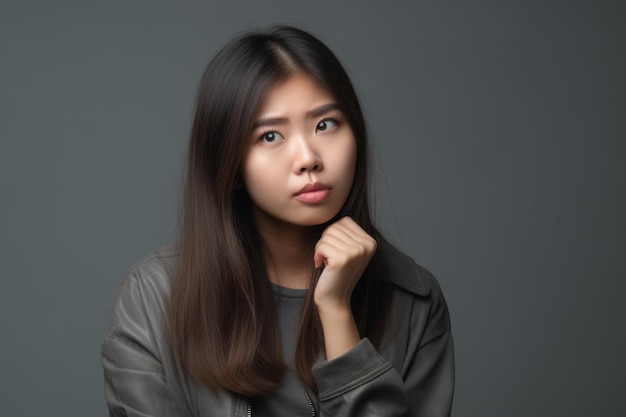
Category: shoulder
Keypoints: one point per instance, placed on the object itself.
(418, 310)
(401, 270)
(415, 289)
(144, 291)
(162, 261)
(156, 271)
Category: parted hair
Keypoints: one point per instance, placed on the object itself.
(223, 323)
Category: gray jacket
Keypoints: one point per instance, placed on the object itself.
(412, 374)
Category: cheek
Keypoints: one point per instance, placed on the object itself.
(345, 160)
(258, 175)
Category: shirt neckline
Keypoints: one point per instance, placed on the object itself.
(288, 292)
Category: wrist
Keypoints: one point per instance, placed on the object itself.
(333, 318)
(340, 331)
(334, 308)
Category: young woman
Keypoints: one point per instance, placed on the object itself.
(281, 298)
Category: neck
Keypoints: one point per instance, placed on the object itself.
(288, 251)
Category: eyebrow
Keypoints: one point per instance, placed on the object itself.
(321, 110)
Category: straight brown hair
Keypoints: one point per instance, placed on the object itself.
(222, 318)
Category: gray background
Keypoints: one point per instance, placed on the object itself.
(499, 133)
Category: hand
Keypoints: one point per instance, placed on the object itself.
(344, 250)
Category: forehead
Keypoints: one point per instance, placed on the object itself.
(298, 93)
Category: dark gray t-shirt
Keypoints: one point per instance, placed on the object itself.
(290, 399)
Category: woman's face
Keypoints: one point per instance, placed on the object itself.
(300, 163)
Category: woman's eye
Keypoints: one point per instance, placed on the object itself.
(326, 124)
(271, 137)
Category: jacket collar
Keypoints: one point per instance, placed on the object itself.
(403, 271)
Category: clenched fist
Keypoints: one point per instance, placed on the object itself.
(344, 250)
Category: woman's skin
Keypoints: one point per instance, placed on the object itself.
(298, 170)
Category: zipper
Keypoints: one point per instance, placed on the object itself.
(308, 397)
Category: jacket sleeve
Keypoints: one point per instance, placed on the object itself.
(363, 383)
(134, 380)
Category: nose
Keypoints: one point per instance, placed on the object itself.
(307, 159)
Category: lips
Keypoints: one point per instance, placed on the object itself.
(313, 193)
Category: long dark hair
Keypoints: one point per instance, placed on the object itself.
(222, 318)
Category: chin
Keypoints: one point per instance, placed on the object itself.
(318, 220)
